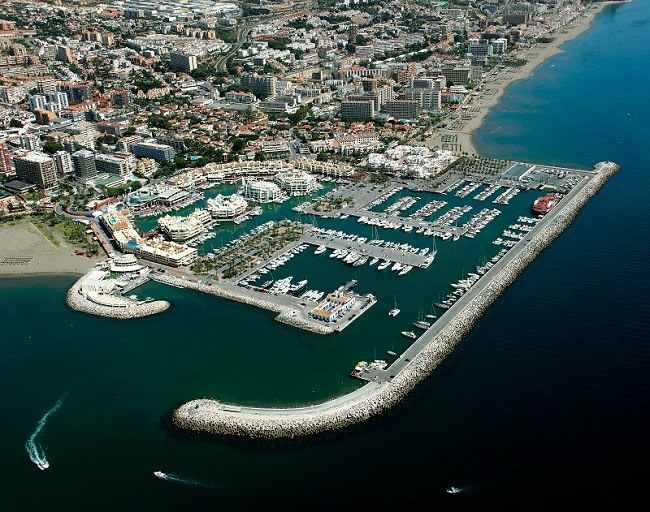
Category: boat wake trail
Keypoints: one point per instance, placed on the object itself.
(178, 479)
(34, 449)
(463, 489)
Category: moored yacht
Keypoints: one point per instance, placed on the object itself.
(383, 265)
(405, 270)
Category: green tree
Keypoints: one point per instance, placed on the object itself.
(238, 145)
(51, 147)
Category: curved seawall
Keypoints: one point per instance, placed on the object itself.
(80, 302)
(211, 416)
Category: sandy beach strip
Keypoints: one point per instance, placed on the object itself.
(25, 251)
(493, 89)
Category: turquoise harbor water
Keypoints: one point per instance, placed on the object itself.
(545, 402)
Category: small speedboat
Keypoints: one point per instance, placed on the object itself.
(159, 474)
(453, 490)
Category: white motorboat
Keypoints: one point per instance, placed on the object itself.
(405, 270)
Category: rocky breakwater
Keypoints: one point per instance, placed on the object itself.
(231, 292)
(111, 306)
(211, 416)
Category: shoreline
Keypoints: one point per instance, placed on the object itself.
(486, 102)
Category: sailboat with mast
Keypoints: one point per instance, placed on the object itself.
(432, 315)
(421, 324)
(432, 255)
(395, 311)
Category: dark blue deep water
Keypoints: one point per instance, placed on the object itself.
(544, 405)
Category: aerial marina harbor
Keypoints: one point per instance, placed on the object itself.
(395, 230)
(239, 240)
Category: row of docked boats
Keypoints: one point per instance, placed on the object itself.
(285, 286)
(383, 197)
(312, 295)
(244, 237)
(428, 209)
(478, 222)
(403, 203)
(506, 196)
(280, 260)
(358, 259)
(450, 217)
(484, 194)
(463, 285)
(467, 189)
(504, 243)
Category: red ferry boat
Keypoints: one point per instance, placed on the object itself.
(544, 204)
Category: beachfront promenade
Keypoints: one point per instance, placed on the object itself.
(393, 384)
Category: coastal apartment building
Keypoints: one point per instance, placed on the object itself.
(357, 110)
(157, 250)
(265, 85)
(403, 109)
(457, 75)
(181, 229)
(149, 149)
(182, 61)
(36, 168)
(296, 183)
(262, 191)
(426, 91)
(226, 207)
(110, 164)
(63, 162)
(83, 162)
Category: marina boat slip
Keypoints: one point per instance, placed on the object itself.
(404, 254)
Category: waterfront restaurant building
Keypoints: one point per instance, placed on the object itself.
(333, 307)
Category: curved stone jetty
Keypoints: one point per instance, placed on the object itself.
(100, 305)
(214, 417)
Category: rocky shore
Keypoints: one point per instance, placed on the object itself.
(132, 309)
(211, 416)
(232, 293)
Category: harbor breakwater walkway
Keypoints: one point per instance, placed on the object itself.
(212, 416)
(287, 313)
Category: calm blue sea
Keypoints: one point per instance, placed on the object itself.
(544, 404)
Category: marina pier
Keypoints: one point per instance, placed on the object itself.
(385, 390)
